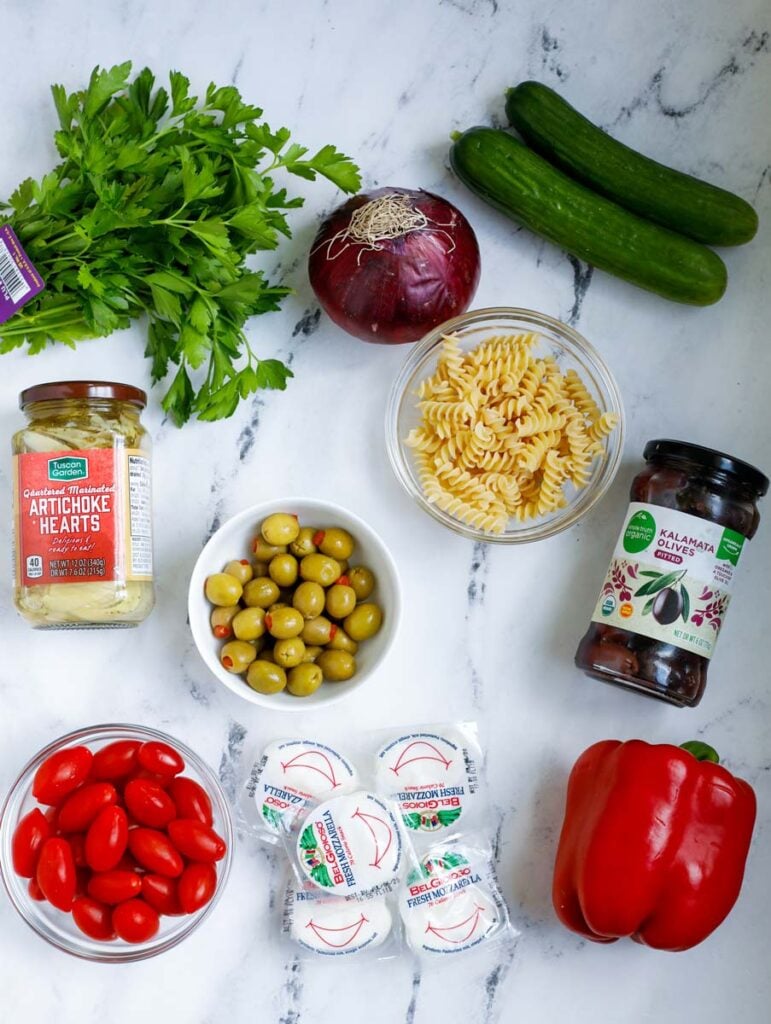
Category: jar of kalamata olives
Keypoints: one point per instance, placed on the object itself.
(670, 579)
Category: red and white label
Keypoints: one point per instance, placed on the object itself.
(82, 516)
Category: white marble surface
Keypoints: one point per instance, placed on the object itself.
(489, 633)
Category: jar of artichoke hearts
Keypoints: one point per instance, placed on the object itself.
(82, 507)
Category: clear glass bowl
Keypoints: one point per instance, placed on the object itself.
(570, 349)
(58, 927)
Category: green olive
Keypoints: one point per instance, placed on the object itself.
(311, 653)
(266, 677)
(303, 545)
(260, 592)
(263, 552)
(318, 631)
(280, 529)
(335, 542)
(320, 569)
(308, 599)
(289, 653)
(284, 623)
(237, 656)
(364, 621)
(221, 621)
(223, 589)
(275, 607)
(242, 570)
(337, 666)
(249, 624)
(283, 570)
(342, 642)
(343, 563)
(362, 581)
(341, 600)
(267, 653)
(260, 568)
(304, 680)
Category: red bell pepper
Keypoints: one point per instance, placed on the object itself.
(653, 845)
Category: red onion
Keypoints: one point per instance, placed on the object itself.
(389, 265)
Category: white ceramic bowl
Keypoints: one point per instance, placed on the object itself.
(233, 540)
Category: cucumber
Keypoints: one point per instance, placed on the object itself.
(675, 200)
(513, 178)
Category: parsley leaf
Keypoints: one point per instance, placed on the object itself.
(154, 209)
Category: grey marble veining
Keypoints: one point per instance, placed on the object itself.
(488, 633)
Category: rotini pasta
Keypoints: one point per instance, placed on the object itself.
(504, 432)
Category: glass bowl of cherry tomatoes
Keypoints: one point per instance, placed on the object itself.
(115, 842)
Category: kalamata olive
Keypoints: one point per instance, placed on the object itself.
(667, 606)
(280, 528)
(222, 589)
(266, 677)
(283, 570)
(249, 624)
(304, 679)
(242, 570)
(303, 545)
(605, 659)
(261, 592)
(237, 656)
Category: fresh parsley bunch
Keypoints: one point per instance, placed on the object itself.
(154, 210)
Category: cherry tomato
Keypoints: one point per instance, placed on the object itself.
(93, 918)
(106, 839)
(161, 894)
(60, 774)
(82, 878)
(135, 921)
(56, 873)
(50, 816)
(77, 843)
(34, 890)
(196, 841)
(114, 886)
(116, 760)
(160, 758)
(148, 803)
(154, 851)
(28, 837)
(128, 863)
(196, 886)
(79, 810)
(190, 799)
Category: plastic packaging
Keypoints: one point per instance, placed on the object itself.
(388, 844)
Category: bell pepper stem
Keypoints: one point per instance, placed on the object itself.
(701, 751)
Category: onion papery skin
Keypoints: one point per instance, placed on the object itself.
(405, 287)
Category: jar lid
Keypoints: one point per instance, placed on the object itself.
(710, 459)
(63, 390)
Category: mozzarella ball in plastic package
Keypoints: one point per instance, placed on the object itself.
(333, 926)
(350, 844)
(433, 775)
(451, 903)
(293, 774)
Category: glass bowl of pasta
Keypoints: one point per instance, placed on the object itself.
(505, 425)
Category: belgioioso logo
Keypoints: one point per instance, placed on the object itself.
(67, 468)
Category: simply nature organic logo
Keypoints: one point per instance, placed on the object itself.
(68, 468)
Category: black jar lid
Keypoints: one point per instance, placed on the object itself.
(743, 472)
